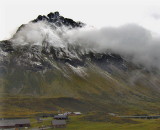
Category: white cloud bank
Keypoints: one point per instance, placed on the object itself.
(128, 40)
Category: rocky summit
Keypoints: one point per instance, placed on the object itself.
(58, 20)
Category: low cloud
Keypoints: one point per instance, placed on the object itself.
(39, 33)
(156, 16)
(129, 40)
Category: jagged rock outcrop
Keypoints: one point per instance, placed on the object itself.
(58, 20)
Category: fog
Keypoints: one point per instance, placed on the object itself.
(131, 40)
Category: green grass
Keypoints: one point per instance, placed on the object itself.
(145, 125)
(77, 123)
(28, 106)
(25, 92)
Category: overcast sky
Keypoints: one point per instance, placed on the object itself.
(99, 13)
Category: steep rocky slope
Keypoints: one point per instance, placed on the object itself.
(65, 73)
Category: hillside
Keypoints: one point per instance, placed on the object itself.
(57, 75)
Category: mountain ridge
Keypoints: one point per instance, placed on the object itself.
(43, 69)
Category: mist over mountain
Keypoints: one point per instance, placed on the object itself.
(53, 56)
(130, 40)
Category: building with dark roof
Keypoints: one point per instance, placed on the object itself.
(59, 123)
(61, 117)
(14, 123)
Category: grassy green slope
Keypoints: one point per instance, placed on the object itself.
(55, 89)
(78, 123)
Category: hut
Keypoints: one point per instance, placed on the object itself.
(61, 117)
(59, 123)
(14, 123)
(67, 113)
(77, 113)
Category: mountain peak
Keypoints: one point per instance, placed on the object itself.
(52, 15)
(58, 20)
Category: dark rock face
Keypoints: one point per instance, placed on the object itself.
(58, 20)
(53, 15)
(6, 46)
(37, 58)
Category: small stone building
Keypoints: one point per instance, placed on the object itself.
(59, 123)
(14, 123)
(61, 117)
